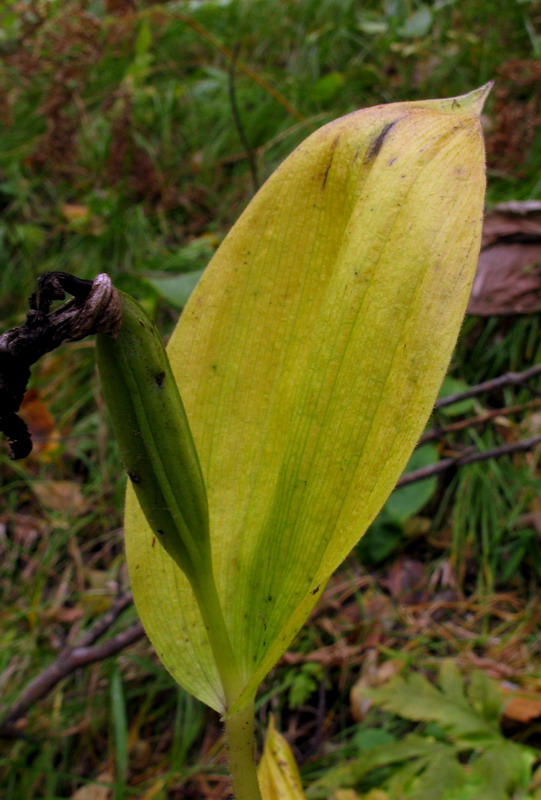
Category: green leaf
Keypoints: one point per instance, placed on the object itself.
(303, 683)
(415, 698)
(503, 771)
(372, 24)
(414, 750)
(327, 87)
(308, 358)
(176, 289)
(368, 738)
(382, 538)
(475, 763)
(408, 500)
(485, 696)
(452, 386)
(418, 24)
(442, 772)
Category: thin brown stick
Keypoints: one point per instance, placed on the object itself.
(102, 625)
(509, 379)
(71, 658)
(469, 457)
(473, 422)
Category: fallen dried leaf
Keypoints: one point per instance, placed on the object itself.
(96, 791)
(41, 424)
(74, 212)
(521, 706)
(508, 278)
(60, 496)
(407, 580)
(372, 675)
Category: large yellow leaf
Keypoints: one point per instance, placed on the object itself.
(308, 358)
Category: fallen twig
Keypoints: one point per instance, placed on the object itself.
(442, 431)
(468, 457)
(509, 379)
(71, 658)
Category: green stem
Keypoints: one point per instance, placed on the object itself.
(206, 594)
(239, 733)
(239, 727)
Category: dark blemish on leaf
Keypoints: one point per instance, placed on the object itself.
(455, 103)
(392, 160)
(328, 167)
(160, 378)
(134, 478)
(153, 542)
(162, 533)
(270, 598)
(316, 590)
(377, 144)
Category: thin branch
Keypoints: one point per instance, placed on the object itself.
(509, 379)
(71, 658)
(472, 422)
(469, 457)
(94, 306)
(237, 119)
(102, 625)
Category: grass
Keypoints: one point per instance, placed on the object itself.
(119, 152)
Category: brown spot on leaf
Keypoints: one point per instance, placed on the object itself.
(329, 164)
(377, 143)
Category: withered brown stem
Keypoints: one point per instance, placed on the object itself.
(94, 307)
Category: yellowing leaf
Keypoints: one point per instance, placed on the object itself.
(309, 357)
(277, 773)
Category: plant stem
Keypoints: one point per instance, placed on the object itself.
(206, 594)
(239, 733)
(239, 727)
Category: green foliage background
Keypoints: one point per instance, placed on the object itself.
(132, 135)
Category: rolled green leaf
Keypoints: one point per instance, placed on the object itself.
(156, 444)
